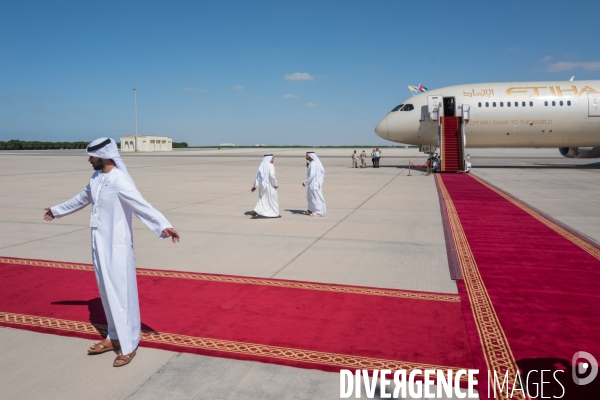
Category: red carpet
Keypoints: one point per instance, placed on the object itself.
(301, 324)
(451, 147)
(530, 289)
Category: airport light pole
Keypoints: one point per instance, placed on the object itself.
(135, 109)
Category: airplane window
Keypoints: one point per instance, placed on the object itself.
(569, 102)
(397, 108)
(516, 104)
(479, 104)
(501, 104)
(487, 104)
(561, 103)
(553, 103)
(494, 104)
(408, 107)
(545, 103)
(531, 104)
(508, 104)
(523, 104)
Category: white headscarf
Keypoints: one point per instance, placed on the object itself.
(107, 148)
(317, 163)
(263, 170)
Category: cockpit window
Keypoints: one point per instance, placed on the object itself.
(404, 107)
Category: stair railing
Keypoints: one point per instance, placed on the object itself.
(466, 115)
(440, 136)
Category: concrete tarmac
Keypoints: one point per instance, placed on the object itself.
(382, 229)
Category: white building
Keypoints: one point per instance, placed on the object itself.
(146, 143)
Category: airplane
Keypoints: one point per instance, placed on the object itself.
(562, 114)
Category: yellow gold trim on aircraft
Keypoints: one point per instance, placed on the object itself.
(482, 93)
(518, 92)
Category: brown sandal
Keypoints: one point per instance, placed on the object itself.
(103, 347)
(125, 359)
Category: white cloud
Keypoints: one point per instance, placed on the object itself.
(567, 66)
(197, 90)
(290, 96)
(237, 87)
(546, 59)
(299, 76)
(311, 105)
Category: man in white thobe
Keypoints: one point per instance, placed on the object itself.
(377, 157)
(114, 198)
(268, 202)
(314, 184)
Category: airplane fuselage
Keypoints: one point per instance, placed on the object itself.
(513, 114)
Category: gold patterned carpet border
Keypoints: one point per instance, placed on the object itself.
(343, 361)
(401, 294)
(496, 349)
(581, 243)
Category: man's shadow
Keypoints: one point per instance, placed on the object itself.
(97, 317)
(296, 211)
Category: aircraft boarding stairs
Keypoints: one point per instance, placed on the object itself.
(451, 144)
(451, 132)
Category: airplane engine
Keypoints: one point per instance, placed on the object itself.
(580, 152)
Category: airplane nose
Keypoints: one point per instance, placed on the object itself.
(382, 129)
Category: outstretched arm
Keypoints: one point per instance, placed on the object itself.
(70, 206)
(153, 218)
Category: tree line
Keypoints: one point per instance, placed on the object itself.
(37, 145)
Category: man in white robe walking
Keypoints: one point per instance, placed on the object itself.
(268, 202)
(114, 198)
(314, 184)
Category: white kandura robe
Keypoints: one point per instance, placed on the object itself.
(112, 248)
(314, 192)
(268, 201)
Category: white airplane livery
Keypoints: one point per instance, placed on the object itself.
(562, 114)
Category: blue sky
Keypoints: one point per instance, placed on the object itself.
(223, 71)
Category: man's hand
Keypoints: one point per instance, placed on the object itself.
(48, 216)
(170, 232)
(252, 190)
